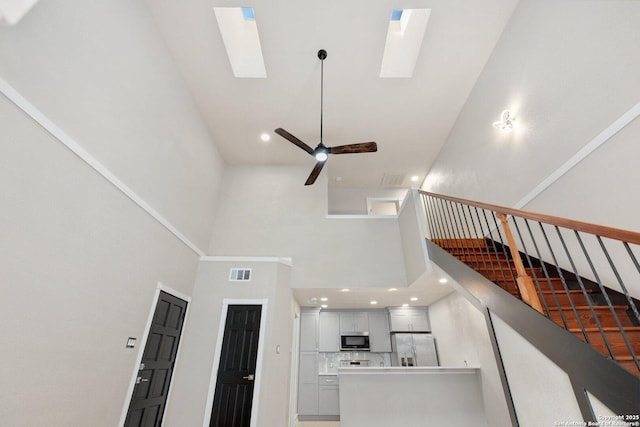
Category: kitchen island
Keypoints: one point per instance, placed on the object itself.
(417, 396)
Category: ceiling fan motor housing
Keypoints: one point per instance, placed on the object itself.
(322, 54)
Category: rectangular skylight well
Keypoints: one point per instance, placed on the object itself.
(12, 11)
(239, 30)
(404, 38)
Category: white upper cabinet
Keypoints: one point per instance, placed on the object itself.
(329, 331)
(309, 330)
(409, 319)
(354, 321)
(379, 338)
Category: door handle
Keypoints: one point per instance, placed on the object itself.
(249, 377)
(141, 380)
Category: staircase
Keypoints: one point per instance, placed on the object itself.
(573, 303)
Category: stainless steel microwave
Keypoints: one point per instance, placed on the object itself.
(354, 341)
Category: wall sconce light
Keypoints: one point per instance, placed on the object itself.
(505, 123)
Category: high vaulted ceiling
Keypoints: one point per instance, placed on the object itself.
(409, 118)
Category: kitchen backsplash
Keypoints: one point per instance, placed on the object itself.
(330, 362)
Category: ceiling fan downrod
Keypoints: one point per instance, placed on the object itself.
(322, 55)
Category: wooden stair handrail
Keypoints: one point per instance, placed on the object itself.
(598, 230)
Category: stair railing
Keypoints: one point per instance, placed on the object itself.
(559, 267)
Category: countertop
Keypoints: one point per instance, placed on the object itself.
(431, 370)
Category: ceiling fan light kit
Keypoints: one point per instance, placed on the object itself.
(321, 152)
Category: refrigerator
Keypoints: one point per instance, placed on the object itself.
(413, 349)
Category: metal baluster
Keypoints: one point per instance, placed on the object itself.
(562, 279)
(475, 252)
(441, 230)
(493, 269)
(513, 277)
(472, 251)
(455, 228)
(546, 275)
(626, 293)
(533, 271)
(582, 287)
(447, 227)
(429, 215)
(606, 297)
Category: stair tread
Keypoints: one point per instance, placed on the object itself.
(595, 307)
(571, 291)
(606, 329)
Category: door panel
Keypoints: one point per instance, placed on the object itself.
(158, 358)
(236, 373)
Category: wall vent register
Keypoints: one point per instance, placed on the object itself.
(240, 275)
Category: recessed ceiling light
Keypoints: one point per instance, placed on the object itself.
(415, 178)
(373, 302)
(324, 306)
(265, 137)
(443, 280)
(405, 305)
(312, 300)
(324, 299)
(413, 299)
(393, 289)
(345, 290)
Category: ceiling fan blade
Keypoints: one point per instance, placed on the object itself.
(286, 135)
(314, 173)
(364, 147)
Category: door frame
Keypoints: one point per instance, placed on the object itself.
(226, 302)
(295, 356)
(143, 342)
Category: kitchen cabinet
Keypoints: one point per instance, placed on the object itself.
(309, 330)
(329, 331)
(354, 321)
(379, 339)
(308, 383)
(409, 319)
(328, 395)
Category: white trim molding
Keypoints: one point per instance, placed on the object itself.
(589, 148)
(216, 358)
(38, 116)
(282, 260)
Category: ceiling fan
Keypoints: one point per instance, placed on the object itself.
(321, 152)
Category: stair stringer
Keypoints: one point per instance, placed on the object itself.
(586, 367)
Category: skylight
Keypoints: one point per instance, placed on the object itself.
(239, 31)
(404, 38)
(12, 11)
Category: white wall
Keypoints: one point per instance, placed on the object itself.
(79, 260)
(542, 392)
(270, 280)
(462, 340)
(267, 211)
(412, 235)
(567, 69)
(101, 73)
(79, 264)
(353, 201)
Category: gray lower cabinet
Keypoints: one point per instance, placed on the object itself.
(308, 384)
(328, 397)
